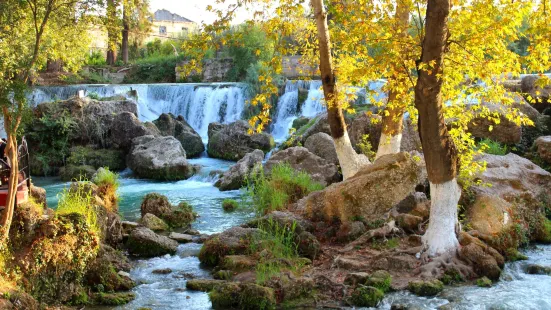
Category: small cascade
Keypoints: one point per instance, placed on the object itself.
(199, 104)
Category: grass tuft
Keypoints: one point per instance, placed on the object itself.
(78, 201)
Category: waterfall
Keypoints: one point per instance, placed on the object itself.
(199, 104)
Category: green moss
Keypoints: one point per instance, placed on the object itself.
(366, 296)
(514, 255)
(229, 205)
(426, 288)
(380, 279)
(452, 276)
(212, 252)
(301, 121)
(181, 216)
(203, 285)
(242, 296)
(545, 232)
(223, 275)
(484, 282)
(114, 299)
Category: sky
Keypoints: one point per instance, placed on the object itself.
(193, 9)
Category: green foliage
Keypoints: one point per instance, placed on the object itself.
(96, 59)
(492, 147)
(49, 138)
(155, 69)
(284, 186)
(452, 276)
(386, 244)
(366, 296)
(282, 250)
(484, 282)
(366, 148)
(83, 155)
(106, 177)
(78, 200)
(229, 205)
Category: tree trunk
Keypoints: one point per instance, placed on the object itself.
(125, 30)
(439, 150)
(11, 151)
(349, 160)
(392, 125)
(111, 36)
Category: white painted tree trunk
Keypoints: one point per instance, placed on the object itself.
(349, 160)
(389, 145)
(440, 237)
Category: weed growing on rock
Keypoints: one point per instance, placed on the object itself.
(78, 201)
(105, 177)
(493, 147)
(284, 186)
(230, 205)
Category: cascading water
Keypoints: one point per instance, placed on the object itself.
(199, 104)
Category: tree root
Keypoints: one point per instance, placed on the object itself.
(436, 267)
(381, 232)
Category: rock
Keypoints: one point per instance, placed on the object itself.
(144, 242)
(300, 159)
(538, 269)
(322, 145)
(154, 223)
(319, 124)
(162, 271)
(355, 278)
(235, 177)
(113, 299)
(350, 231)
(505, 131)
(415, 204)
(181, 238)
(128, 226)
(242, 296)
(529, 87)
(350, 263)
(294, 291)
(307, 245)
(202, 285)
(39, 195)
(109, 270)
(369, 195)
(233, 241)
(191, 141)
(426, 288)
(125, 128)
(485, 260)
(409, 223)
(380, 279)
(233, 142)
(71, 172)
(484, 282)
(181, 216)
(155, 204)
(518, 188)
(366, 296)
(543, 147)
(238, 263)
(229, 205)
(300, 121)
(159, 158)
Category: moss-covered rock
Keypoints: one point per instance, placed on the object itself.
(144, 242)
(366, 296)
(380, 279)
(203, 285)
(426, 288)
(180, 216)
(233, 241)
(72, 172)
(514, 255)
(223, 275)
(114, 299)
(238, 263)
(242, 296)
(484, 282)
(103, 273)
(538, 269)
(229, 205)
(113, 159)
(154, 223)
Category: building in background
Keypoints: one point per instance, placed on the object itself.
(166, 24)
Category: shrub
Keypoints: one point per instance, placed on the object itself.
(284, 186)
(78, 201)
(493, 147)
(366, 148)
(229, 205)
(104, 176)
(96, 59)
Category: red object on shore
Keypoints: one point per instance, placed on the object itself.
(22, 194)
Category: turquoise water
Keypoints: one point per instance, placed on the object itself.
(168, 291)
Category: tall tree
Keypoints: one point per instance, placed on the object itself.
(440, 153)
(112, 24)
(349, 160)
(135, 22)
(31, 35)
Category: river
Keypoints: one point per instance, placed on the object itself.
(516, 290)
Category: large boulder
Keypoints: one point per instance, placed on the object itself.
(509, 197)
(169, 125)
(125, 128)
(234, 241)
(233, 141)
(93, 118)
(159, 158)
(534, 93)
(370, 194)
(322, 145)
(142, 241)
(503, 131)
(235, 177)
(300, 159)
(543, 147)
(179, 216)
(39, 195)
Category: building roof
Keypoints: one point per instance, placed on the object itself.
(166, 15)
